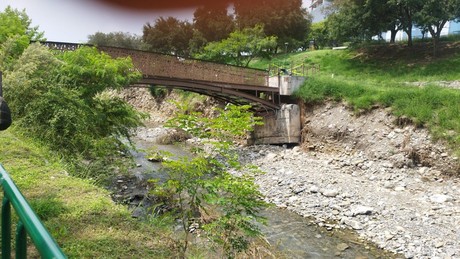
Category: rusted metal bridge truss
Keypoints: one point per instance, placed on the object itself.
(225, 82)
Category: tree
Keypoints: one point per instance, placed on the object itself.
(213, 22)
(319, 34)
(240, 47)
(285, 19)
(15, 35)
(14, 22)
(345, 21)
(434, 15)
(169, 36)
(117, 39)
(406, 10)
(204, 185)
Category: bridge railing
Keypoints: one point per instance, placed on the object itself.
(28, 223)
(161, 65)
(293, 69)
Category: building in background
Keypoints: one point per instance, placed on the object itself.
(316, 9)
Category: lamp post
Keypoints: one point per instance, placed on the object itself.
(285, 51)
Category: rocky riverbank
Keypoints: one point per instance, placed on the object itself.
(387, 182)
(373, 173)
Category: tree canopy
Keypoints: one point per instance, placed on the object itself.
(363, 19)
(169, 35)
(213, 22)
(117, 39)
(285, 19)
(240, 47)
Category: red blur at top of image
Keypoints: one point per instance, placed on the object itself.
(161, 4)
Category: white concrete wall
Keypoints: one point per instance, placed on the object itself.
(281, 128)
(287, 84)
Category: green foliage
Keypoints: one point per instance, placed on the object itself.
(91, 72)
(14, 22)
(203, 185)
(117, 39)
(82, 218)
(240, 47)
(284, 19)
(213, 22)
(169, 36)
(63, 102)
(158, 92)
(320, 35)
(433, 15)
(15, 34)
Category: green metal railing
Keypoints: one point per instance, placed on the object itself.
(28, 223)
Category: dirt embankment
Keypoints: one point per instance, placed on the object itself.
(334, 129)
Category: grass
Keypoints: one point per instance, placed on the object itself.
(80, 216)
(379, 75)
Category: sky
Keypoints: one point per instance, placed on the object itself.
(74, 20)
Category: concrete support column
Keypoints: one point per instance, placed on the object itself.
(283, 127)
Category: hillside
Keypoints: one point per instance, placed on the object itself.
(415, 86)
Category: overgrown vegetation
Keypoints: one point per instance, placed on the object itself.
(63, 100)
(385, 76)
(206, 195)
(80, 216)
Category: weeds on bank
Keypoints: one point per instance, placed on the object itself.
(433, 107)
(80, 216)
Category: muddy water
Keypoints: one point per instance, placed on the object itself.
(294, 235)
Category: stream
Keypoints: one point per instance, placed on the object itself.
(290, 233)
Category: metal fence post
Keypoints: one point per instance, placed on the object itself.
(6, 228)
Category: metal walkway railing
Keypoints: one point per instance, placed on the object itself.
(28, 223)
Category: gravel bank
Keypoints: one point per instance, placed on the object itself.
(386, 182)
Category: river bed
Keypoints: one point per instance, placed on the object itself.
(292, 234)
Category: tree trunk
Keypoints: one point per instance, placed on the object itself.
(393, 35)
(436, 35)
(409, 35)
(408, 27)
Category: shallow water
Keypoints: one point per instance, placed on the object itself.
(294, 235)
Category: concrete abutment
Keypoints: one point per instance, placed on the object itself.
(283, 126)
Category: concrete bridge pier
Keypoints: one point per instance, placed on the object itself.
(283, 126)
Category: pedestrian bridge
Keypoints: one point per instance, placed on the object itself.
(233, 84)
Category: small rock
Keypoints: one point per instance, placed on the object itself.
(330, 193)
(342, 247)
(299, 190)
(362, 210)
(439, 244)
(399, 188)
(353, 224)
(293, 199)
(314, 189)
(270, 156)
(440, 198)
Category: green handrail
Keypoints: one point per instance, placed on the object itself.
(28, 222)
